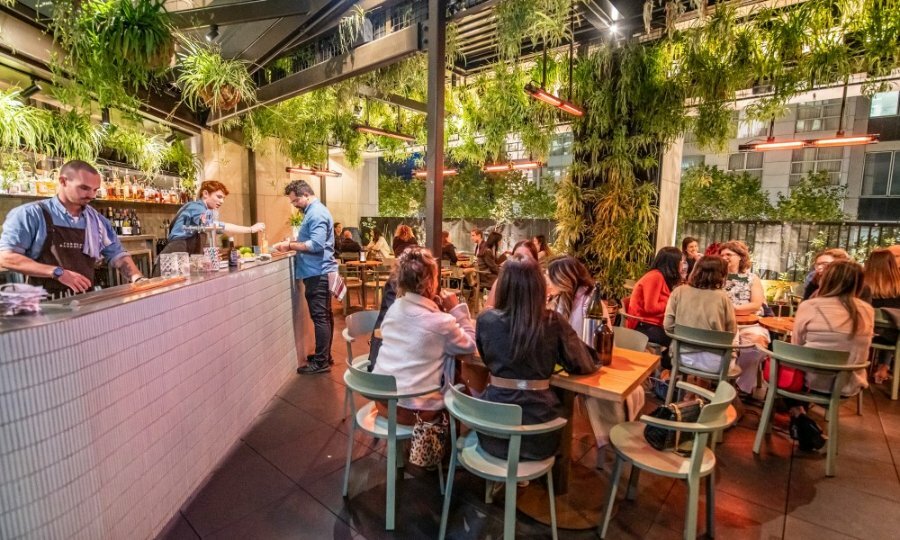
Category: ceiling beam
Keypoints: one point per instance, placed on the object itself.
(373, 55)
(243, 12)
(392, 99)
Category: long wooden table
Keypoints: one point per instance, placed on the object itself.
(578, 498)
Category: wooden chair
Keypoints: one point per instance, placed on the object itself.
(504, 421)
(809, 360)
(384, 388)
(630, 445)
(346, 256)
(377, 278)
(883, 322)
(352, 281)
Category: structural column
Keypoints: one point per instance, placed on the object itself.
(669, 189)
(435, 41)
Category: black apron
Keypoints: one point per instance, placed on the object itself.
(193, 244)
(63, 247)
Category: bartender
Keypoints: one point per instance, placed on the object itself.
(201, 212)
(57, 242)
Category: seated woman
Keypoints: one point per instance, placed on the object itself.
(746, 294)
(650, 295)
(520, 342)
(882, 281)
(488, 265)
(544, 252)
(523, 247)
(702, 304)
(836, 320)
(690, 249)
(822, 260)
(421, 333)
(448, 250)
(378, 247)
(570, 288)
(403, 238)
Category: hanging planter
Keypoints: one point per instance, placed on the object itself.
(211, 81)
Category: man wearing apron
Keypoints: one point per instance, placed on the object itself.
(57, 242)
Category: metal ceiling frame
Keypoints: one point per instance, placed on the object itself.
(240, 12)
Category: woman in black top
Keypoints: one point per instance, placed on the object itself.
(521, 341)
(488, 266)
(882, 281)
(403, 238)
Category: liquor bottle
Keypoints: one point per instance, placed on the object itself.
(101, 193)
(117, 221)
(603, 342)
(233, 253)
(126, 189)
(136, 224)
(126, 225)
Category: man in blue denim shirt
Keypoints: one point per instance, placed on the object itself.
(315, 260)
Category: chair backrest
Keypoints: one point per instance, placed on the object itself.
(809, 358)
(714, 412)
(348, 255)
(699, 339)
(623, 311)
(626, 338)
(361, 323)
(370, 385)
(496, 419)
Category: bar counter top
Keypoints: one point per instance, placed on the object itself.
(83, 304)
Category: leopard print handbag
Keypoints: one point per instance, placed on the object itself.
(429, 442)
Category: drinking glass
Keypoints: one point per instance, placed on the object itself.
(168, 265)
(184, 263)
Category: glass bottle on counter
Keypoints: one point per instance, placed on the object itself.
(136, 224)
(233, 255)
(126, 225)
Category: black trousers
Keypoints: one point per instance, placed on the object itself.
(318, 299)
(657, 335)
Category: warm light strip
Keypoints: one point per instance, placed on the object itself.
(384, 133)
(771, 145)
(421, 173)
(300, 170)
(540, 94)
(845, 141)
(327, 172)
(512, 166)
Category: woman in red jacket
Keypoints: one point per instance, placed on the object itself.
(650, 296)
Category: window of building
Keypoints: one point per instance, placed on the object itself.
(747, 128)
(818, 116)
(884, 104)
(807, 160)
(749, 162)
(561, 144)
(882, 174)
(689, 161)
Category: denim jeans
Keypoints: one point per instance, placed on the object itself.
(318, 299)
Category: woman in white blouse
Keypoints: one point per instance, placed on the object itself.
(378, 246)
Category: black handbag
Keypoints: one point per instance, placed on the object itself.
(667, 439)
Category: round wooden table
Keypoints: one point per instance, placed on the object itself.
(779, 325)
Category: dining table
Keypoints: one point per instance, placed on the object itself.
(779, 325)
(578, 489)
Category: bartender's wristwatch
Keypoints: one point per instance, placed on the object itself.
(58, 272)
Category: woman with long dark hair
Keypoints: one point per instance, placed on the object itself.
(544, 251)
(882, 281)
(521, 341)
(488, 265)
(650, 295)
(378, 247)
(690, 251)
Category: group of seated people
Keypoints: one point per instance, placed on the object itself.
(533, 326)
(721, 293)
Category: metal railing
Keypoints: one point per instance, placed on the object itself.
(788, 247)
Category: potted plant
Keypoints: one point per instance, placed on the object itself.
(137, 30)
(21, 124)
(295, 220)
(208, 79)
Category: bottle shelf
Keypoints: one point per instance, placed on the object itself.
(96, 202)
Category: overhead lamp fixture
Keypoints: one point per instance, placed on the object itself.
(841, 140)
(33, 89)
(613, 29)
(104, 117)
(540, 93)
(771, 144)
(327, 172)
(213, 33)
(422, 173)
(365, 128)
(303, 169)
(521, 165)
(172, 137)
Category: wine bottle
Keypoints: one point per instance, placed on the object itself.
(136, 224)
(603, 342)
(233, 253)
(126, 225)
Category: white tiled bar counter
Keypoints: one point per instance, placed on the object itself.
(112, 415)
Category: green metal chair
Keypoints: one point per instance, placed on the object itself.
(359, 324)
(626, 338)
(384, 388)
(809, 360)
(498, 420)
(630, 445)
(883, 322)
(697, 339)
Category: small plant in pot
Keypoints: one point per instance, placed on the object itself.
(207, 79)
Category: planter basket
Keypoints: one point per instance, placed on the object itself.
(228, 98)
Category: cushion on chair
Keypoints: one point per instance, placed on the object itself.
(473, 458)
(628, 440)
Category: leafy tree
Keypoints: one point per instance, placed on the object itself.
(815, 198)
(711, 193)
(469, 195)
(399, 197)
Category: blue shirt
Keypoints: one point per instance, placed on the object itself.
(25, 231)
(317, 232)
(190, 214)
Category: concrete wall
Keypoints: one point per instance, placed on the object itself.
(355, 193)
(227, 162)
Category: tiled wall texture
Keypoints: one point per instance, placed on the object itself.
(109, 421)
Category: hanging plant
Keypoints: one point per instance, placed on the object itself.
(207, 79)
(74, 136)
(177, 158)
(144, 151)
(21, 125)
(137, 31)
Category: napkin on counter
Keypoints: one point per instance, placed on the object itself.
(19, 298)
